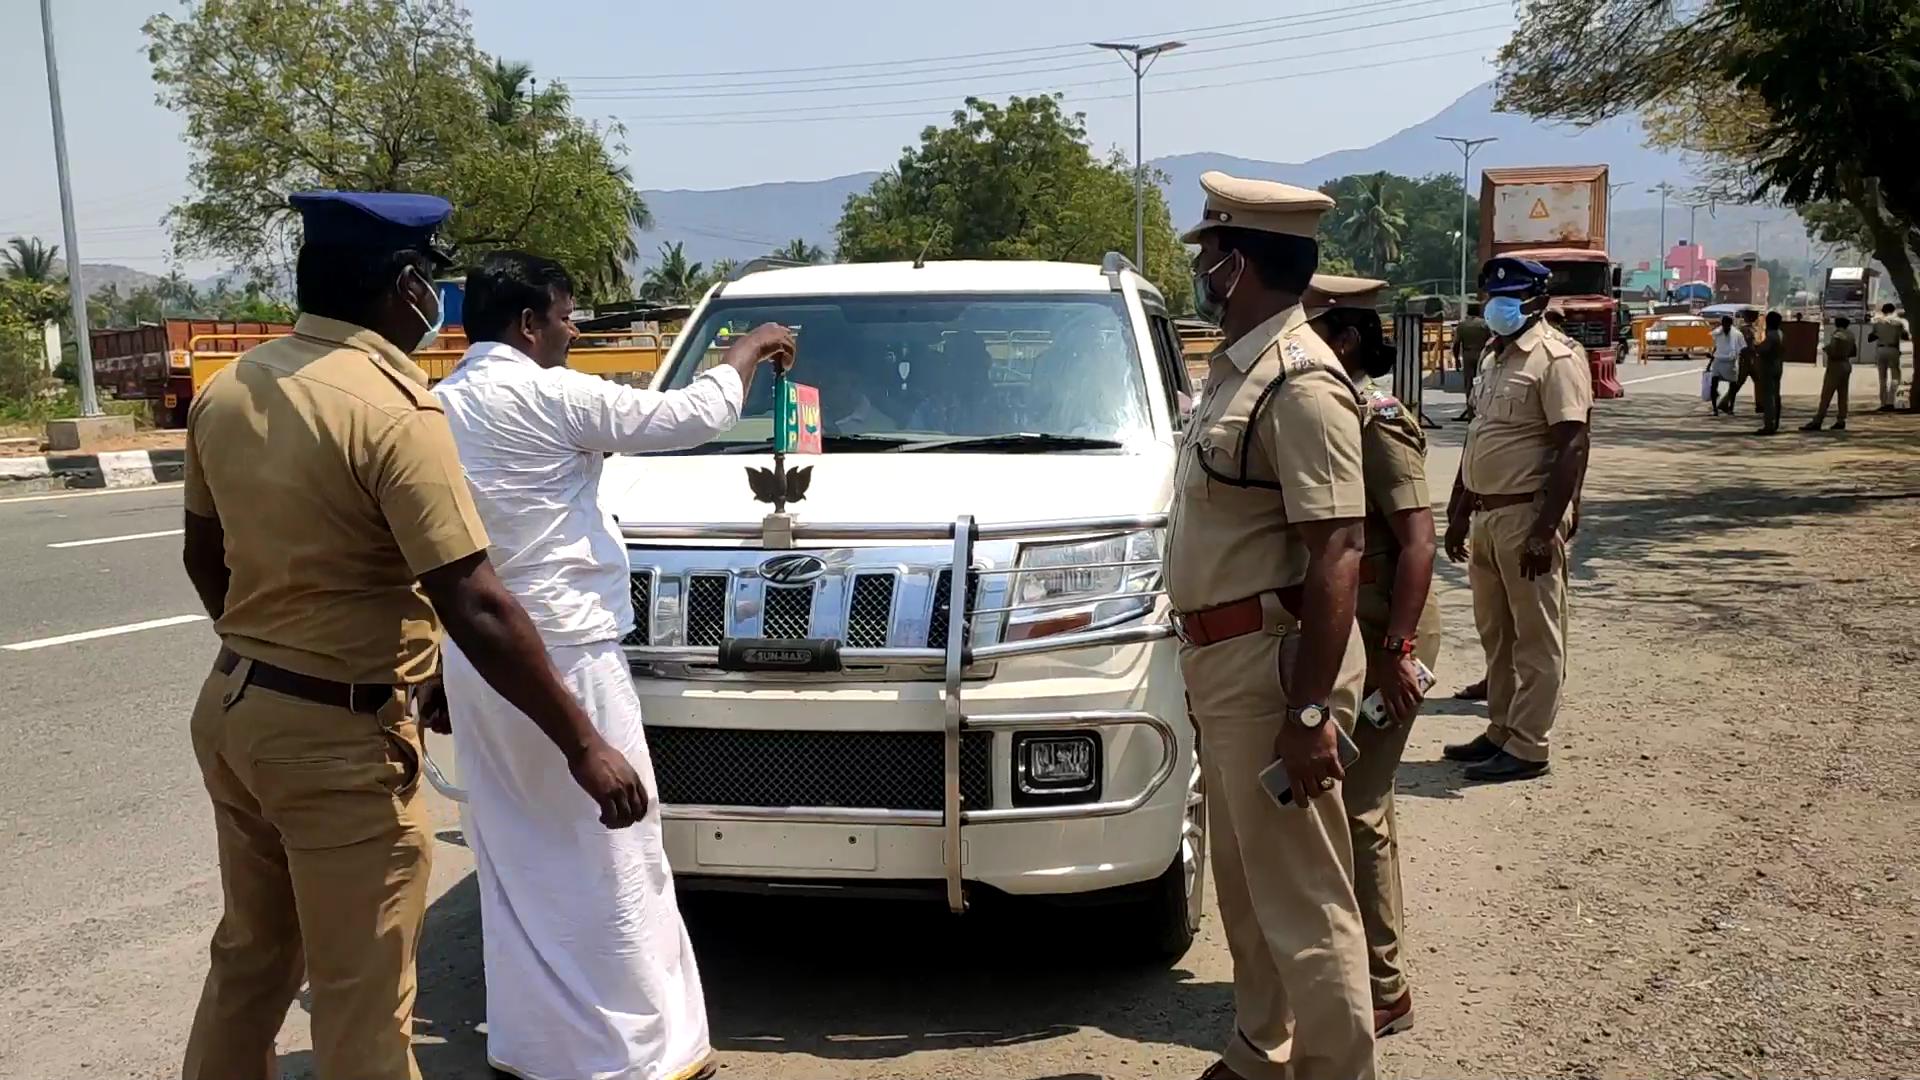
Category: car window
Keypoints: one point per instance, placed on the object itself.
(938, 366)
(1173, 366)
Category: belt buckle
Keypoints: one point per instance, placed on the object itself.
(1180, 629)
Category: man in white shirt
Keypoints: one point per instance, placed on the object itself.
(590, 969)
(1725, 365)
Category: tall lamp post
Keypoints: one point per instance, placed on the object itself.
(1139, 58)
(1467, 148)
(76, 288)
(1663, 189)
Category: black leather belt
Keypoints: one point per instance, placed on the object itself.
(353, 697)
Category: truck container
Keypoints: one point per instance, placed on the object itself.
(154, 362)
(1557, 215)
(1746, 284)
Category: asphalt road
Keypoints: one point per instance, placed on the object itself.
(109, 889)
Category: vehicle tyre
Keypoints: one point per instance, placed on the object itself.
(1167, 920)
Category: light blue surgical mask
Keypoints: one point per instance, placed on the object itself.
(1506, 316)
(1210, 303)
(439, 320)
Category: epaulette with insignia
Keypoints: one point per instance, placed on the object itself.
(1298, 360)
(1382, 404)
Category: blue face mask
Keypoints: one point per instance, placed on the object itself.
(1505, 315)
(439, 320)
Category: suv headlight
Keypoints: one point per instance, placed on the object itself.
(1083, 585)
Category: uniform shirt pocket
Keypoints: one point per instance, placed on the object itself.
(1514, 398)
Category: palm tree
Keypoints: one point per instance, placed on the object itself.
(513, 94)
(798, 250)
(31, 260)
(675, 280)
(1374, 227)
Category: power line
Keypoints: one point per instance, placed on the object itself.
(897, 63)
(930, 113)
(1283, 39)
(841, 108)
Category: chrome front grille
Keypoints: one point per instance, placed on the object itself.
(867, 597)
(1591, 335)
(888, 770)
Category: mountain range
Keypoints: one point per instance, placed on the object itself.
(743, 222)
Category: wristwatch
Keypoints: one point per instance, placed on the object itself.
(1309, 716)
(1400, 646)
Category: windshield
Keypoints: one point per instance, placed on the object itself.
(1580, 279)
(908, 370)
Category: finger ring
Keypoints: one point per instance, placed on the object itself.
(1326, 783)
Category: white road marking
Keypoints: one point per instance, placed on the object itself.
(110, 631)
(116, 539)
(89, 494)
(1695, 372)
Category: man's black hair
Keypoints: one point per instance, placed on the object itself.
(346, 282)
(1773, 318)
(1886, 309)
(1474, 309)
(1840, 322)
(1726, 321)
(505, 284)
(1374, 356)
(1282, 262)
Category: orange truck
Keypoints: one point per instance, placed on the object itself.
(1557, 215)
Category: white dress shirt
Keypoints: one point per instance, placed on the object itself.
(532, 441)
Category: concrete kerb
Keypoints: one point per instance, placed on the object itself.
(111, 469)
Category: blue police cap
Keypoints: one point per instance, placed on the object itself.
(1506, 275)
(380, 220)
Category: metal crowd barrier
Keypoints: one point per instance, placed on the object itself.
(956, 658)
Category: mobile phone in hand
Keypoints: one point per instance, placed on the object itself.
(1280, 786)
(1374, 708)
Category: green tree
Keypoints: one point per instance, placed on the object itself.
(798, 250)
(1374, 226)
(1782, 100)
(1428, 258)
(31, 260)
(675, 280)
(413, 105)
(1017, 181)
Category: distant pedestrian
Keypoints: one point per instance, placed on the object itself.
(1769, 367)
(1469, 343)
(1888, 331)
(1727, 343)
(1743, 363)
(1840, 353)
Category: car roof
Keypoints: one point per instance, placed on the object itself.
(899, 278)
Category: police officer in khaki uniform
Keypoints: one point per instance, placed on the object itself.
(1835, 383)
(1885, 333)
(1263, 559)
(330, 534)
(1520, 472)
(1399, 622)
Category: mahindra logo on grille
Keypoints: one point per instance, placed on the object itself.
(792, 569)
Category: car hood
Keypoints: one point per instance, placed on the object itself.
(897, 488)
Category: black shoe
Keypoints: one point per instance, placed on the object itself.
(1838, 425)
(1479, 749)
(1884, 408)
(1472, 692)
(1768, 431)
(1811, 425)
(1503, 766)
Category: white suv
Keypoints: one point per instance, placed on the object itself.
(823, 713)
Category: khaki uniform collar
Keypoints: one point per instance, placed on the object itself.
(348, 335)
(1529, 338)
(1254, 342)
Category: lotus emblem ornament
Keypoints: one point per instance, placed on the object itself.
(794, 569)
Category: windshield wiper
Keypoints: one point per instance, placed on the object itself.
(1020, 440)
(843, 443)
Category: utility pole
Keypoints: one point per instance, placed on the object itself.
(1139, 58)
(76, 288)
(1467, 148)
(1611, 190)
(1663, 190)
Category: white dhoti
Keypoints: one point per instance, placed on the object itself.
(590, 975)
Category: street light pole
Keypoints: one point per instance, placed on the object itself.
(1467, 148)
(1139, 58)
(1663, 190)
(76, 288)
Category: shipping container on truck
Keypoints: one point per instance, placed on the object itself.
(1852, 291)
(1747, 284)
(1557, 215)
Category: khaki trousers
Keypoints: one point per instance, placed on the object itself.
(1833, 385)
(1368, 795)
(1283, 874)
(324, 853)
(1523, 629)
(1887, 363)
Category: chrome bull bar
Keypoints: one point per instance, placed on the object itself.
(955, 659)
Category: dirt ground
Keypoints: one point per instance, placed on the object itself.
(21, 445)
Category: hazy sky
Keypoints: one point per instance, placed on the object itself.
(720, 94)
